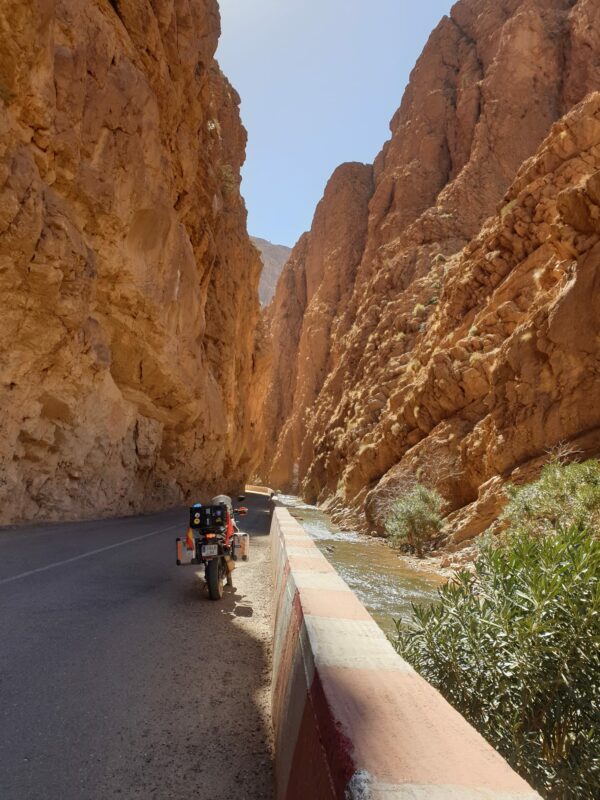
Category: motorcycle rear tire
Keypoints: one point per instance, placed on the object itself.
(213, 579)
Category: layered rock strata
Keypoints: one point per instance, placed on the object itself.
(129, 284)
(457, 354)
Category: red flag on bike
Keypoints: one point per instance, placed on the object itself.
(189, 540)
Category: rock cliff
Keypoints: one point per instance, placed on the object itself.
(449, 349)
(128, 281)
(273, 257)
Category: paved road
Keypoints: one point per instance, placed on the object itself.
(119, 678)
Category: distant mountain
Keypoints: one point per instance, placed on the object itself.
(274, 257)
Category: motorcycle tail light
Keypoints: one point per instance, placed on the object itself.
(210, 536)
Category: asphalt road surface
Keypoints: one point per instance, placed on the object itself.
(119, 678)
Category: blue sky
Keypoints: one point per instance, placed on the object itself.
(319, 81)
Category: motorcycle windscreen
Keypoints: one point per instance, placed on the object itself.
(225, 500)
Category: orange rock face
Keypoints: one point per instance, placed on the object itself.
(274, 258)
(458, 350)
(316, 282)
(129, 284)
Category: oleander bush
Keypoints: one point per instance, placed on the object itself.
(415, 518)
(564, 495)
(515, 646)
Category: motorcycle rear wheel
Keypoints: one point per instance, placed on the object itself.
(214, 580)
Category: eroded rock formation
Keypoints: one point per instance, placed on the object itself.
(273, 257)
(454, 354)
(129, 302)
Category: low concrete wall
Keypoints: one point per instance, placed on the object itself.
(352, 720)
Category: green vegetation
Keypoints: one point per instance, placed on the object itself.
(507, 208)
(229, 182)
(515, 647)
(415, 518)
(564, 496)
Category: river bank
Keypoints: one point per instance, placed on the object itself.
(386, 583)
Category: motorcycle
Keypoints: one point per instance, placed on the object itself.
(215, 541)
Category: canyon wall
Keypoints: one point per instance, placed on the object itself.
(129, 284)
(274, 258)
(412, 339)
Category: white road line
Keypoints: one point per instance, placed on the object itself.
(85, 555)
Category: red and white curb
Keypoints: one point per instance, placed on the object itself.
(352, 720)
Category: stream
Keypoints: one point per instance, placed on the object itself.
(384, 583)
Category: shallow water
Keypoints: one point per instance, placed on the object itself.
(382, 581)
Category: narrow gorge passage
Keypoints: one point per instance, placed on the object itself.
(119, 677)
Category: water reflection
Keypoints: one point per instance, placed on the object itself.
(382, 581)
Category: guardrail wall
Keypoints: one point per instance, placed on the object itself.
(352, 720)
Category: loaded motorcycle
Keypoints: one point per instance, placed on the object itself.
(215, 541)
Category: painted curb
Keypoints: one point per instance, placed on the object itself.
(352, 720)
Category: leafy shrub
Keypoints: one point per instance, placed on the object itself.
(229, 182)
(415, 518)
(564, 495)
(508, 208)
(516, 646)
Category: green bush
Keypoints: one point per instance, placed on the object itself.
(515, 647)
(229, 181)
(415, 518)
(564, 495)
